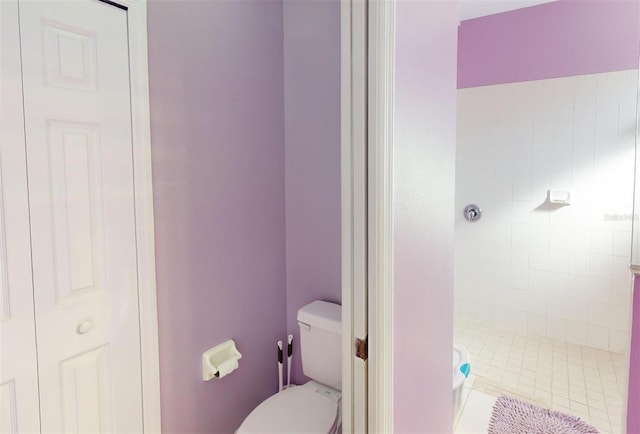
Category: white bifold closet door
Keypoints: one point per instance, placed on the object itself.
(18, 364)
(79, 171)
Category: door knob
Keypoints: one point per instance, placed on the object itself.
(84, 327)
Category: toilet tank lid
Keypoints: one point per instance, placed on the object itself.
(322, 314)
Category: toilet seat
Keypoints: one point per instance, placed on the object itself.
(297, 409)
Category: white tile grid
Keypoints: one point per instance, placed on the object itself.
(560, 272)
(577, 380)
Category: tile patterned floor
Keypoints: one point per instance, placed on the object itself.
(577, 380)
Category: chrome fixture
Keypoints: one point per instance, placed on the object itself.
(472, 212)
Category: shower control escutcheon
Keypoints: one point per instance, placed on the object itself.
(472, 212)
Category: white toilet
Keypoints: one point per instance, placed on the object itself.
(315, 406)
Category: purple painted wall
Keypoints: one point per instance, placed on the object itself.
(558, 39)
(633, 413)
(216, 86)
(312, 143)
(424, 154)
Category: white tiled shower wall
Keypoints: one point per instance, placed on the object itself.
(560, 272)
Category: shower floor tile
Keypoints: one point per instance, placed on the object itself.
(581, 381)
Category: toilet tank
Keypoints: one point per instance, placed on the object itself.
(321, 343)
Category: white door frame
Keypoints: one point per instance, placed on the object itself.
(353, 224)
(143, 202)
(368, 46)
(380, 183)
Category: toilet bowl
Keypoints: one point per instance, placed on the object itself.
(314, 407)
(310, 408)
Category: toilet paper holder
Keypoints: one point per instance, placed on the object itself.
(220, 360)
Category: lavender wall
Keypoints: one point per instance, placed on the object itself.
(633, 415)
(424, 153)
(218, 176)
(558, 39)
(312, 143)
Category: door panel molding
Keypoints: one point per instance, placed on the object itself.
(8, 411)
(93, 365)
(62, 42)
(78, 227)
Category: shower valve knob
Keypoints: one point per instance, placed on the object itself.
(472, 213)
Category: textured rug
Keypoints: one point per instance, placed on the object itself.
(512, 416)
